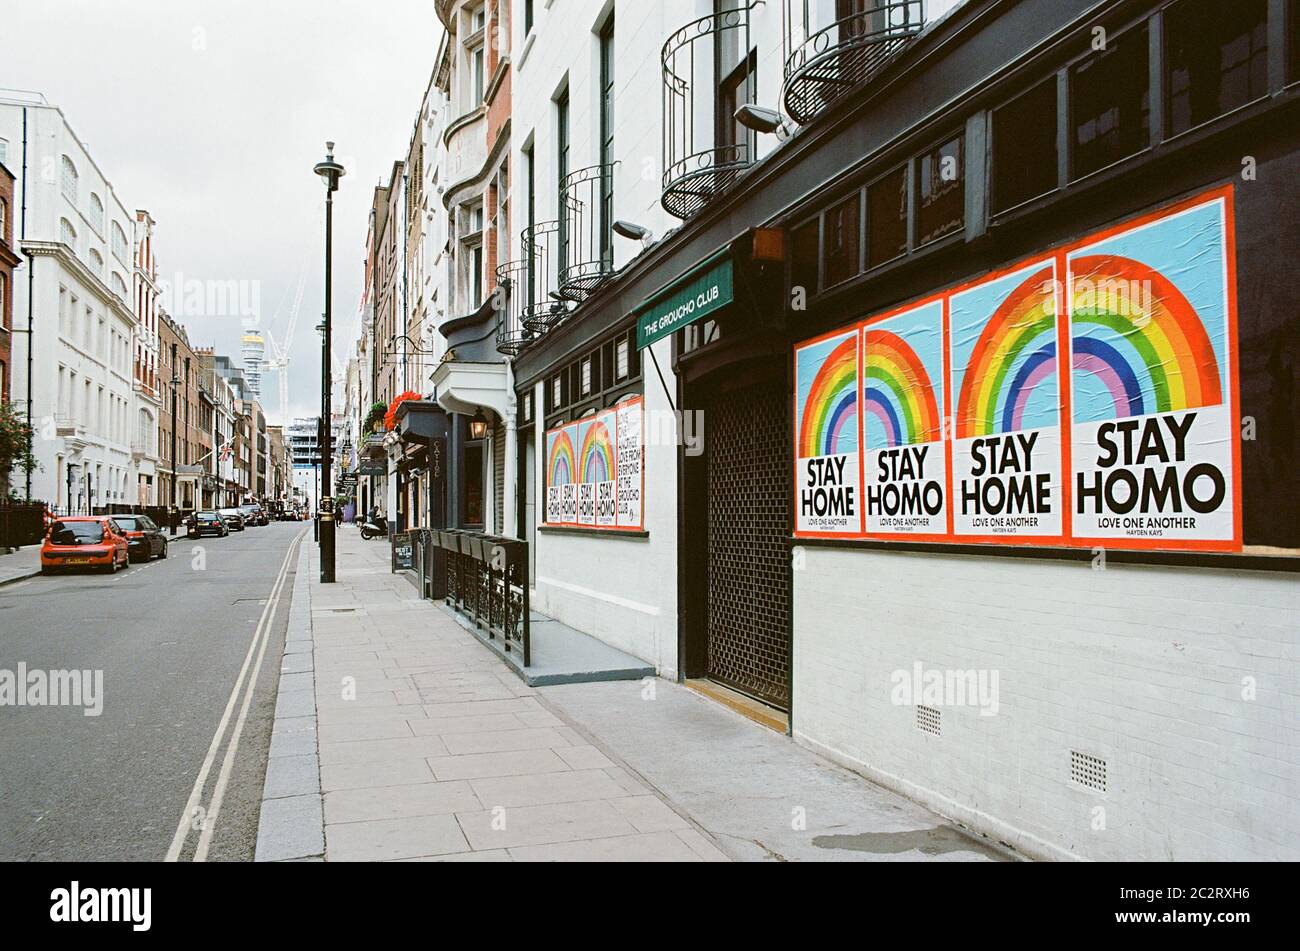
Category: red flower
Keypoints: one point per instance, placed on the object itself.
(390, 418)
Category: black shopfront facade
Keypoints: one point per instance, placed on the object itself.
(1007, 130)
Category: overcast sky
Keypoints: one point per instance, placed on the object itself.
(211, 114)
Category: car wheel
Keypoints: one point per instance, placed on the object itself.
(163, 556)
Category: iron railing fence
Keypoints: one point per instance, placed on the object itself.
(708, 72)
(826, 61)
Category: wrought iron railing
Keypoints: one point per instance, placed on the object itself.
(825, 62)
(586, 231)
(541, 311)
(487, 583)
(21, 523)
(705, 150)
(512, 291)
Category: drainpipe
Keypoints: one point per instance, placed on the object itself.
(509, 516)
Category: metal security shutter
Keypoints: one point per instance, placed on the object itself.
(749, 519)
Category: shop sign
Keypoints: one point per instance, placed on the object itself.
(705, 291)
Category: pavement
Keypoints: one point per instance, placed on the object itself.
(171, 640)
(20, 565)
(400, 737)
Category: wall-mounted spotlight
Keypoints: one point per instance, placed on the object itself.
(761, 119)
(634, 232)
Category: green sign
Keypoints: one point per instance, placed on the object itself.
(700, 293)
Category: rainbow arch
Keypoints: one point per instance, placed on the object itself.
(597, 454)
(1134, 331)
(899, 391)
(1016, 353)
(560, 464)
(830, 412)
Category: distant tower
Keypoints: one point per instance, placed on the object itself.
(254, 354)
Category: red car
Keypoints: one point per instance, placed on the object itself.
(84, 542)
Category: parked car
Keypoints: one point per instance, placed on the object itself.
(254, 515)
(234, 519)
(84, 542)
(145, 540)
(206, 523)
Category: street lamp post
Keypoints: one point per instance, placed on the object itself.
(175, 383)
(330, 172)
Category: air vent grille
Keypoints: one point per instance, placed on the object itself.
(1088, 771)
(928, 720)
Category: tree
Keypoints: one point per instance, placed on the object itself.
(15, 440)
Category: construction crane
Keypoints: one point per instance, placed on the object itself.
(279, 361)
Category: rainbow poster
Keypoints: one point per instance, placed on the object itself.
(596, 468)
(1005, 387)
(561, 467)
(827, 424)
(905, 459)
(1155, 434)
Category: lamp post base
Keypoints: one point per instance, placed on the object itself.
(327, 546)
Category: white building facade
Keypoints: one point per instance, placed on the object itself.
(85, 404)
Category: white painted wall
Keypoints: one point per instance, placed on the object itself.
(103, 355)
(1141, 666)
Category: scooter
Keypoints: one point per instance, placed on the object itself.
(376, 527)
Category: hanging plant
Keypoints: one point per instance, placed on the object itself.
(375, 418)
(390, 419)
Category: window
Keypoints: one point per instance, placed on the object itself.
(843, 237)
(528, 17)
(119, 243)
(4, 151)
(607, 141)
(478, 76)
(1216, 59)
(97, 262)
(67, 233)
(4, 220)
(96, 213)
(119, 286)
(1024, 147)
(735, 75)
(476, 277)
(70, 180)
(804, 257)
(562, 172)
(586, 377)
(887, 218)
(474, 479)
(1110, 114)
(941, 191)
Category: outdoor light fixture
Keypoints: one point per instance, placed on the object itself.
(761, 119)
(330, 172)
(634, 232)
(478, 426)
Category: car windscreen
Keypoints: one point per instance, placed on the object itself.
(208, 516)
(77, 533)
(128, 524)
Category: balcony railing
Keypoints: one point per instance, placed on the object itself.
(707, 76)
(512, 291)
(542, 312)
(586, 238)
(826, 61)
